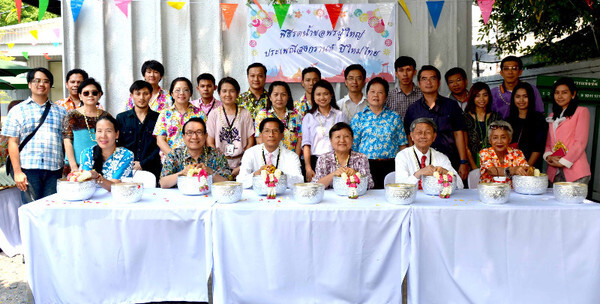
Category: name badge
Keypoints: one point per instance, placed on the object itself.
(229, 149)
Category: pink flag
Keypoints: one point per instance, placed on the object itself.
(57, 32)
(486, 9)
(122, 5)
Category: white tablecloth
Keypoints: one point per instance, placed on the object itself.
(10, 240)
(532, 250)
(339, 251)
(103, 252)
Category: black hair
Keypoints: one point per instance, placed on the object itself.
(514, 111)
(573, 104)
(97, 159)
(87, 82)
(454, 71)
(206, 76)
(381, 81)
(429, 68)
(31, 75)
(140, 84)
(290, 102)
(231, 81)
(355, 67)
(178, 79)
(340, 126)
(271, 119)
(512, 58)
(311, 70)
(256, 65)
(154, 65)
(76, 71)
(326, 85)
(193, 119)
(475, 89)
(404, 61)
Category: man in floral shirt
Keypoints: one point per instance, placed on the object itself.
(310, 76)
(255, 99)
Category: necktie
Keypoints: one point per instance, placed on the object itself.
(422, 165)
(269, 162)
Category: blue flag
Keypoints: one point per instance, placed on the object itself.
(435, 10)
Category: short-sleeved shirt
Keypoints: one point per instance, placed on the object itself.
(170, 124)
(448, 117)
(69, 104)
(292, 123)
(302, 105)
(462, 105)
(501, 100)
(117, 166)
(242, 128)
(489, 159)
(45, 149)
(206, 108)
(378, 136)
(248, 101)
(350, 108)
(179, 158)
(315, 130)
(81, 130)
(357, 161)
(161, 102)
(399, 102)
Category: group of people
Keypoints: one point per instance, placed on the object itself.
(494, 132)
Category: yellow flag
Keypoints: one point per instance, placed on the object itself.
(403, 4)
(34, 33)
(176, 4)
(10, 45)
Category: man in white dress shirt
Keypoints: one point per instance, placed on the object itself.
(270, 152)
(420, 159)
(355, 76)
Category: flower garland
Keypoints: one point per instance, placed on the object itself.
(446, 181)
(352, 181)
(202, 178)
(79, 176)
(270, 176)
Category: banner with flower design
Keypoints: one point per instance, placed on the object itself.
(306, 37)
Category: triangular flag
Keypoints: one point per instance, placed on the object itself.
(76, 8)
(10, 45)
(34, 34)
(281, 12)
(56, 43)
(228, 10)
(590, 3)
(259, 6)
(46, 55)
(57, 32)
(334, 11)
(435, 10)
(122, 5)
(26, 55)
(43, 7)
(176, 4)
(405, 8)
(486, 9)
(18, 4)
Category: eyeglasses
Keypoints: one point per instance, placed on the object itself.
(180, 91)
(271, 131)
(38, 81)
(87, 93)
(511, 68)
(191, 133)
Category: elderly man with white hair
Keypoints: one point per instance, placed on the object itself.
(421, 160)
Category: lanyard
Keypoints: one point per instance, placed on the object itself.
(230, 125)
(417, 157)
(265, 160)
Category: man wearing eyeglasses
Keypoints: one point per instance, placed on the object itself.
(38, 165)
(194, 155)
(511, 69)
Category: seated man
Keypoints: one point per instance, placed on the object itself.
(420, 159)
(195, 155)
(270, 152)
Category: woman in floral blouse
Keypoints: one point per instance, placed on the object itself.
(500, 160)
(280, 105)
(170, 121)
(342, 159)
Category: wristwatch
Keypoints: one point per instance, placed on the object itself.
(464, 161)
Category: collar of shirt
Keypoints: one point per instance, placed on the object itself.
(252, 97)
(271, 111)
(274, 153)
(30, 100)
(332, 113)
(438, 103)
(415, 89)
(419, 154)
(190, 107)
(347, 99)
(187, 155)
(368, 109)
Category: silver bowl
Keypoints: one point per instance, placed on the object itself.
(308, 193)
(127, 193)
(261, 189)
(570, 193)
(400, 194)
(189, 185)
(432, 187)
(493, 193)
(227, 192)
(530, 184)
(75, 191)
(340, 187)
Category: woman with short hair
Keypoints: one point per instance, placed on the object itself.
(500, 160)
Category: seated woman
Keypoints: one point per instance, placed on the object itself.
(569, 126)
(108, 162)
(280, 105)
(342, 159)
(79, 126)
(529, 125)
(478, 116)
(500, 160)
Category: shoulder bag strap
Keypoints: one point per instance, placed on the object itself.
(42, 119)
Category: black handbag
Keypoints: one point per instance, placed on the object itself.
(9, 168)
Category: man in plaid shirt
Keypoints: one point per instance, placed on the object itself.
(39, 164)
(406, 93)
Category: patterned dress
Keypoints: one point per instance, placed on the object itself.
(81, 130)
(357, 161)
(117, 166)
(489, 159)
(477, 133)
(292, 122)
(378, 136)
(170, 124)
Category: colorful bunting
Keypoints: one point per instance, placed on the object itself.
(435, 10)
(56, 43)
(46, 55)
(43, 8)
(176, 4)
(486, 9)
(405, 8)
(334, 11)
(10, 45)
(259, 6)
(34, 33)
(18, 4)
(228, 10)
(76, 8)
(590, 3)
(281, 12)
(57, 32)
(122, 5)
(26, 55)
